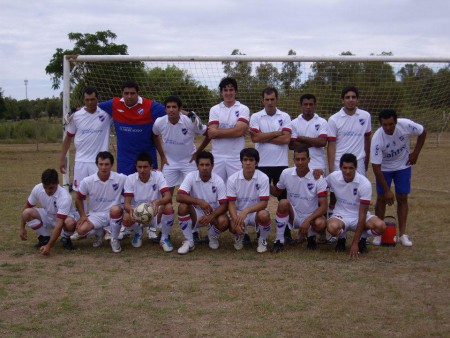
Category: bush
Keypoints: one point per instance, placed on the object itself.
(30, 131)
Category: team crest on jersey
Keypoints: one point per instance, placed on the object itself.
(140, 111)
(236, 113)
(402, 138)
(257, 186)
(393, 143)
(362, 122)
(184, 131)
(280, 122)
(101, 117)
(377, 149)
(120, 110)
(317, 127)
(115, 186)
(388, 145)
(54, 203)
(154, 187)
(310, 186)
(355, 191)
(214, 189)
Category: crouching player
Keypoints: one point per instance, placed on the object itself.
(306, 201)
(248, 196)
(56, 213)
(147, 185)
(353, 194)
(203, 201)
(104, 190)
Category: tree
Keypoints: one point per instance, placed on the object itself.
(2, 105)
(290, 75)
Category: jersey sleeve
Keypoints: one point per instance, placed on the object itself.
(369, 125)
(64, 206)
(287, 123)
(71, 127)
(107, 106)
(221, 192)
(414, 128)
(231, 188)
(321, 187)
(332, 130)
(264, 191)
(157, 126)
(254, 124)
(129, 187)
(158, 110)
(323, 129)
(244, 115)
(213, 116)
(162, 183)
(281, 184)
(376, 149)
(32, 200)
(186, 185)
(83, 190)
(365, 192)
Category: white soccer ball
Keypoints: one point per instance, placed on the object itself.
(143, 213)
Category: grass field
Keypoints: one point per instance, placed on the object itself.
(390, 292)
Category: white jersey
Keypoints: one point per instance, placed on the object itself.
(145, 192)
(302, 192)
(213, 192)
(348, 132)
(349, 196)
(271, 155)
(102, 195)
(225, 117)
(178, 139)
(392, 151)
(247, 192)
(59, 205)
(91, 132)
(314, 128)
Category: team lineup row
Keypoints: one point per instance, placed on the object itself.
(141, 126)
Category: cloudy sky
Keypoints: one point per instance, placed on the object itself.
(30, 31)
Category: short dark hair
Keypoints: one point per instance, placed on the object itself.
(307, 97)
(104, 155)
(349, 89)
(301, 149)
(386, 114)
(348, 158)
(175, 99)
(205, 155)
(49, 176)
(250, 153)
(228, 81)
(91, 90)
(130, 84)
(145, 157)
(270, 90)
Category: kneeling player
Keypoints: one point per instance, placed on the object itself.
(147, 185)
(353, 193)
(306, 201)
(56, 213)
(248, 196)
(203, 201)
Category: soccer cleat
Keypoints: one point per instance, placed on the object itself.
(67, 243)
(362, 246)
(213, 242)
(312, 245)
(238, 242)
(277, 247)
(247, 241)
(262, 246)
(137, 240)
(151, 234)
(98, 241)
(166, 245)
(115, 245)
(76, 236)
(186, 247)
(42, 240)
(405, 241)
(376, 241)
(107, 235)
(288, 236)
(124, 232)
(340, 245)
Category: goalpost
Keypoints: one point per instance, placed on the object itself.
(416, 87)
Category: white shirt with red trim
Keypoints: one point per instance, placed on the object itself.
(348, 132)
(59, 205)
(145, 192)
(178, 139)
(314, 128)
(90, 132)
(246, 193)
(392, 151)
(302, 192)
(349, 196)
(213, 191)
(271, 155)
(225, 117)
(102, 195)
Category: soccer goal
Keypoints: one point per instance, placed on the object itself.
(417, 88)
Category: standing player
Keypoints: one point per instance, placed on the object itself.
(228, 123)
(248, 196)
(147, 185)
(353, 193)
(56, 212)
(306, 201)
(104, 190)
(203, 201)
(391, 160)
(89, 127)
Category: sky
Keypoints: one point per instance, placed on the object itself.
(30, 31)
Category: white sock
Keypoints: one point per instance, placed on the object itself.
(264, 231)
(186, 227)
(371, 233)
(213, 231)
(136, 227)
(115, 224)
(66, 233)
(166, 224)
(281, 221)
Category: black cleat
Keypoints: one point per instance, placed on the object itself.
(288, 236)
(247, 241)
(362, 247)
(277, 247)
(340, 245)
(42, 240)
(312, 245)
(67, 243)
(198, 239)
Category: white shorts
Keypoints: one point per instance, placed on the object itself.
(176, 173)
(225, 167)
(360, 169)
(82, 170)
(298, 220)
(351, 222)
(99, 219)
(49, 221)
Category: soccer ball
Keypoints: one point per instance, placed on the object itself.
(143, 213)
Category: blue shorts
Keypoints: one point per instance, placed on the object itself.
(402, 181)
